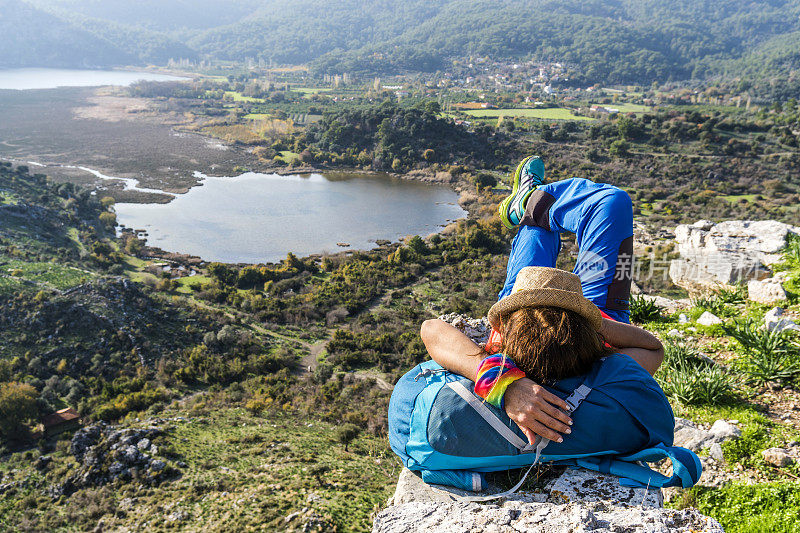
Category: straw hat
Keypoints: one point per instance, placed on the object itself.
(544, 286)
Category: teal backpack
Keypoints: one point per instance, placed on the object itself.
(621, 421)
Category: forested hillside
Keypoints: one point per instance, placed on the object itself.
(610, 41)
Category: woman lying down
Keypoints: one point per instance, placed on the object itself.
(565, 377)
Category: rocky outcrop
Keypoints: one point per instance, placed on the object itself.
(576, 500)
(728, 252)
(477, 329)
(767, 291)
(105, 454)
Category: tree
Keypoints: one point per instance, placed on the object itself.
(484, 179)
(108, 218)
(619, 148)
(17, 407)
(346, 433)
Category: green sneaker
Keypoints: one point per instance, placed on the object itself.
(528, 175)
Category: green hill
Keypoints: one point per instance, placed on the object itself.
(610, 41)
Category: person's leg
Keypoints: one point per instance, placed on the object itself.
(601, 216)
(533, 246)
(605, 260)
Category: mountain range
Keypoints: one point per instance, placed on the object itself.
(611, 41)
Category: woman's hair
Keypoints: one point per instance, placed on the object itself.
(551, 343)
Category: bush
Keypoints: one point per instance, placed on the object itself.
(346, 433)
(690, 379)
(768, 355)
(644, 310)
(17, 407)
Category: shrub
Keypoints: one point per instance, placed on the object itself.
(17, 407)
(346, 433)
(644, 309)
(688, 378)
(768, 355)
(731, 295)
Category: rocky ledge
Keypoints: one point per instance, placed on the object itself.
(575, 500)
(730, 252)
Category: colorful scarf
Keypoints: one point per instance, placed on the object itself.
(495, 374)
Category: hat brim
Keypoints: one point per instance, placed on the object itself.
(545, 297)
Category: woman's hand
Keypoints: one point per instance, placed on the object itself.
(537, 411)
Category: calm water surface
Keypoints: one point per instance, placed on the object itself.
(51, 78)
(260, 217)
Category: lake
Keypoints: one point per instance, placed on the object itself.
(51, 78)
(256, 218)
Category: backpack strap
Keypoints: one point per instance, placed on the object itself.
(480, 407)
(573, 401)
(633, 470)
(686, 466)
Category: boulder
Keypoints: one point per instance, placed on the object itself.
(690, 435)
(578, 500)
(709, 319)
(477, 329)
(765, 291)
(536, 517)
(722, 430)
(728, 252)
(580, 485)
(777, 457)
(667, 304)
(775, 320)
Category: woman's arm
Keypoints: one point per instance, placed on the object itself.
(642, 346)
(536, 410)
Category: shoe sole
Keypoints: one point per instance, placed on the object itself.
(503, 208)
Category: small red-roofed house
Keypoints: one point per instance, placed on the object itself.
(60, 421)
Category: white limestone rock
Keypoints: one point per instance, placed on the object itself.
(690, 435)
(580, 485)
(522, 517)
(667, 304)
(477, 329)
(709, 319)
(765, 291)
(775, 320)
(727, 252)
(715, 452)
(722, 430)
(777, 457)
(578, 500)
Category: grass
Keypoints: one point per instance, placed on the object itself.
(644, 310)
(689, 379)
(310, 90)
(289, 156)
(625, 107)
(766, 355)
(773, 507)
(52, 275)
(736, 198)
(239, 97)
(10, 285)
(555, 113)
(242, 473)
(8, 198)
(258, 116)
(185, 284)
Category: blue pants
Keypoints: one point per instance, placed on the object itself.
(601, 217)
